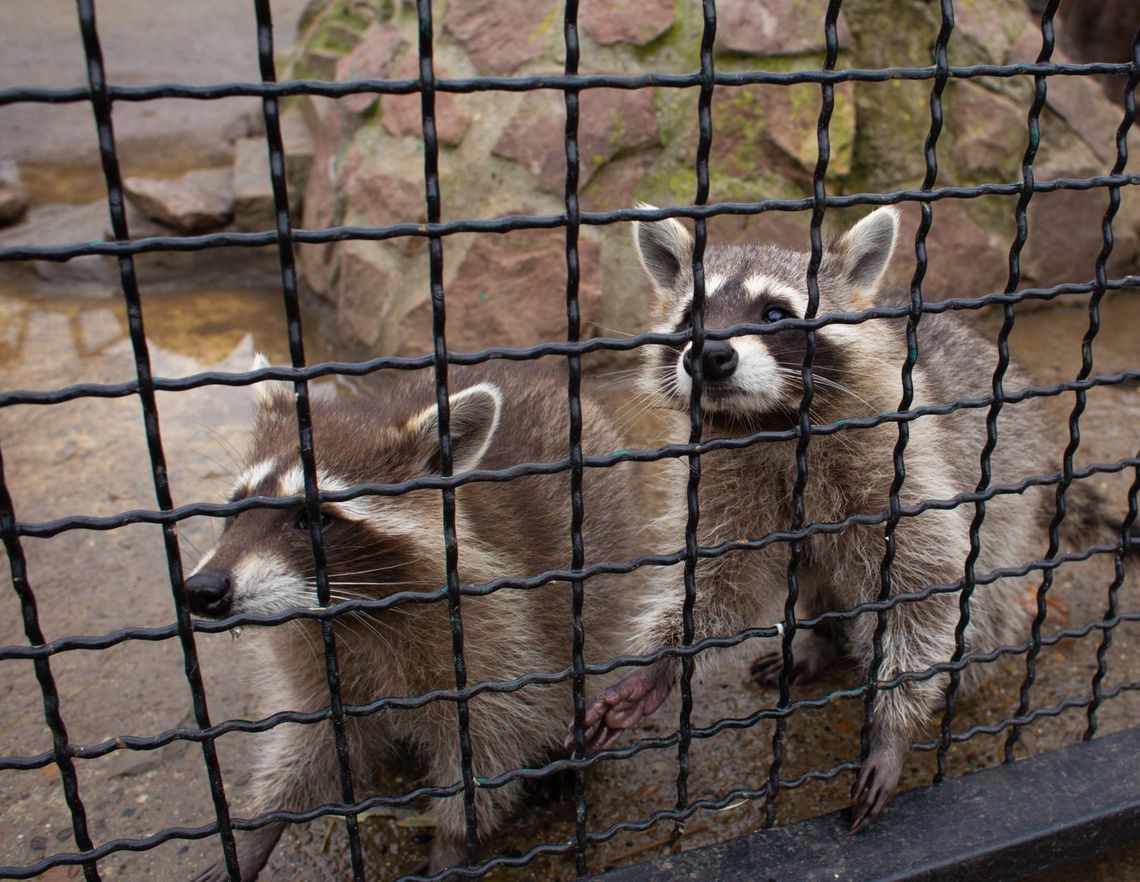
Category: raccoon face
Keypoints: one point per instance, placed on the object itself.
(263, 561)
(754, 381)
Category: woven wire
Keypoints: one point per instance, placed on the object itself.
(101, 95)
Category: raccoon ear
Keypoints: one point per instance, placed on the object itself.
(474, 419)
(862, 253)
(664, 248)
(270, 393)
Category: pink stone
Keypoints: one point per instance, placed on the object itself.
(611, 121)
(626, 21)
(388, 199)
(371, 59)
(401, 115)
(364, 290)
(501, 35)
(775, 27)
(509, 291)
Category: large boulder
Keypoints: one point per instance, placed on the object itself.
(503, 153)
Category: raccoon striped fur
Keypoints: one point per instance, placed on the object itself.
(378, 545)
(753, 382)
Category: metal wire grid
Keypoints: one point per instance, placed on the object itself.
(102, 95)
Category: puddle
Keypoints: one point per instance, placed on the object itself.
(89, 457)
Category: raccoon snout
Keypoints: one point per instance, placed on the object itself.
(209, 593)
(718, 360)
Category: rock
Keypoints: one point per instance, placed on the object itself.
(194, 203)
(964, 259)
(634, 144)
(57, 225)
(508, 291)
(984, 30)
(1099, 32)
(299, 146)
(245, 125)
(774, 130)
(1082, 104)
(370, 60)
(210, 266)
(321, 63)
(386, 197)
(13, 196)
(639, 22)
(13, 204)
(775, 27)
(615, 184)
(401, 115)
(611, 121)
(501, 37)
(987, 133)
(1079, 101)
(252, 188)
(322, 207)
(1065, 238)
(366, 290)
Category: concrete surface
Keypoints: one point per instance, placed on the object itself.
(144, 42)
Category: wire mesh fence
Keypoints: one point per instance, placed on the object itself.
(87, 852)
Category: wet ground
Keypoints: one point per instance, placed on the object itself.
(88, 457)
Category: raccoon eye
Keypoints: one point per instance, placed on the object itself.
(301, 521)
(775, 314)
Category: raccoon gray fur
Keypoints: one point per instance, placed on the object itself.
(754, 382)
(376, 546)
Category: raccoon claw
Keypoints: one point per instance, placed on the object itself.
(877, 782)
(620, 707)
(765, 670)
(812, 654)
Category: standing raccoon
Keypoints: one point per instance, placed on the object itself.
(753, 382)
(376, 546)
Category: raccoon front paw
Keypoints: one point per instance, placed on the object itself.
(812, 655)
(877, 782)
(621, 706)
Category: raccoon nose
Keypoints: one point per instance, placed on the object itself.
(718, 360)
(209, 593)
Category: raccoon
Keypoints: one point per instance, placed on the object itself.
(753, 382)
(376, 546)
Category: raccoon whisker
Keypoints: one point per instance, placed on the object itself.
(632, 416)
(610, 330)
(306, 632)
(622, 372)
(227, 445)
(341, 574)
(827, 382)
(353, 583)
(391, 584)
(370, 625)
(182, 537)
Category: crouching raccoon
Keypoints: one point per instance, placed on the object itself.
(378, 545)
(754, 382)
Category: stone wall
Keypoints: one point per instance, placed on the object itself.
(503, 153)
